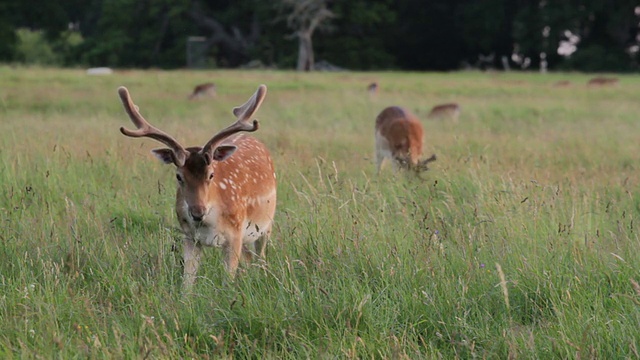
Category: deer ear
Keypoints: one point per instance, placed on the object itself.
(165, 155)
(223, 152)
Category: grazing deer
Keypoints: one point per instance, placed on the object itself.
(226, 189)
(399, 137)
(442, 111)
(373, 88)
(562, 83)
(202, 91)
(602, 81)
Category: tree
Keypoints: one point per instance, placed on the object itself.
(8, 38)
(304, 18)
(131, 33)
(486, 30)
(364, 34)
(225, 29)
(426, 36)
(359, 30)
(604, 34)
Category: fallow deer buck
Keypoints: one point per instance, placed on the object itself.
(226, 189)
(202, 91)
(399, 137)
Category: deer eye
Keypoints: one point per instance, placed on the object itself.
(179, 178)
(210, 176)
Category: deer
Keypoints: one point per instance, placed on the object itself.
(602, 81)
(399, 137)
(226, 189)
(202, 91)
(373, 88)
(562, 83)
(443, 111)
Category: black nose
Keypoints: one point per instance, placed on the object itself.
(197, 217)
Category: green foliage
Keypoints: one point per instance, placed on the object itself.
(604, 33)
(520, 242)
(34, 49)
(364, 35)
(8, 38)
(486, 26)
(597, 58)
(8, 41)
(68, 45)
(412, 49)
(356, 39)
(131, 33)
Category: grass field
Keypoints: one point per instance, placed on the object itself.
(520, 242)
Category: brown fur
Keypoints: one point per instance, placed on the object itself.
(562, 83)
(602, 81)
(203, 90)
(373, 88)
(443, 111)
(239, 201)
(399, 136)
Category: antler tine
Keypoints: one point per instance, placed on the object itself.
(145, 129)
(243, 113)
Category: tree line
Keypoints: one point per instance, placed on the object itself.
(580, 35)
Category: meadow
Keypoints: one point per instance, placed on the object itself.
(520, 242)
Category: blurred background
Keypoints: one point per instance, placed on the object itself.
(435, 35)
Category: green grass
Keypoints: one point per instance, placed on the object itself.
(522, 241)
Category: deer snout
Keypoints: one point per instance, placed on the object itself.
(197, 212)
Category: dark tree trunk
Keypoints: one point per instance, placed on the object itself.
(234, 44)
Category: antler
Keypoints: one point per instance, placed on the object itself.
(147, 130)
(422, 164)
(243, 113)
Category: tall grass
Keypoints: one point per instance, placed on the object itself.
(521, 242)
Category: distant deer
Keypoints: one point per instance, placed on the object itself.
(602, 81)
(202, 91)
(399, 137)
(562, 83)
(226, 189)
(443, 111)
(373, 88)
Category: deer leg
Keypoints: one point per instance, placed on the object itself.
(261, 243)
(380, 155)
(191, 253)
(247, 252)
(232, 252)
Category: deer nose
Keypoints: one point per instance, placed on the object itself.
(197, 213)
